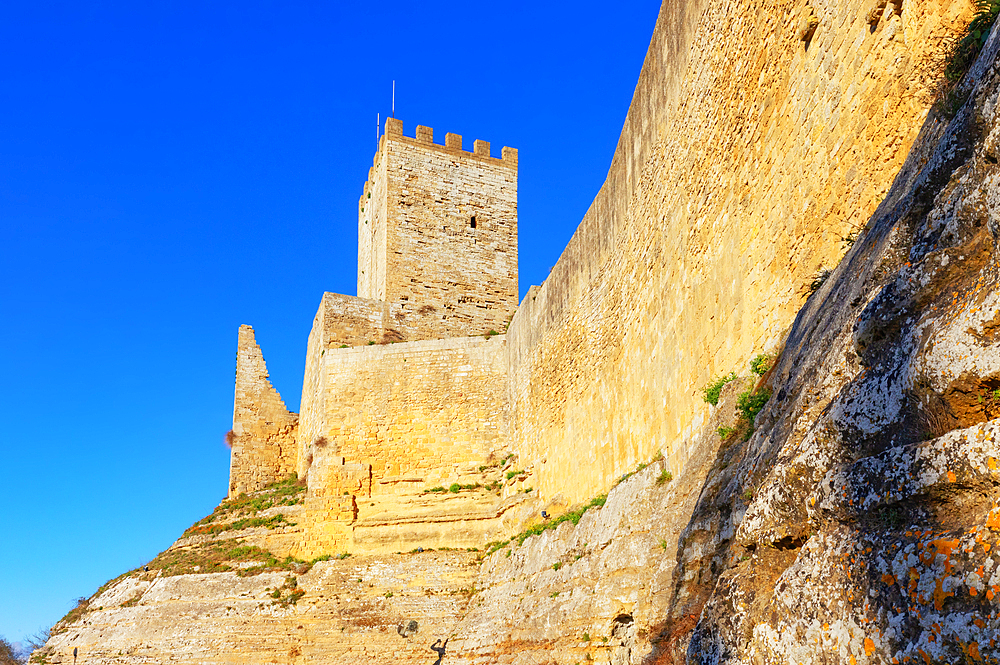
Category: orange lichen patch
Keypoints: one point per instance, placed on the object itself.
(826, 626)
(979, 622)
(992, 463)
(951, 477)
(940, 594)
(854, 661)
(974, 651)
(925, 656)
(869, 646)
(973, 591)
(941, 546)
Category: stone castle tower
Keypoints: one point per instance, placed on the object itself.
(437, 230)
(381, 421)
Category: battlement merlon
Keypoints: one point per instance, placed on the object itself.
(452, 142)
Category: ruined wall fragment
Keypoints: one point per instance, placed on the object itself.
(264, 431)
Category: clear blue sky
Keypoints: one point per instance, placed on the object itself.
(169, 171)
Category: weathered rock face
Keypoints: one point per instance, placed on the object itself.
(869, 494)
(389, 609)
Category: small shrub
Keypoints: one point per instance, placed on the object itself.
(388, 594)
(664, 477)
(343, 346)
(553, 594)
(511, 474)
(557, 565)
(586, 637)
(711, 392)
(760, 364)
(966, 50)
(454, 488)
(750, 403)
(663, 544)
(371, 343)
(725, 432)
(230, 438)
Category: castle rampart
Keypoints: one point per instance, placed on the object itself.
(718, 209)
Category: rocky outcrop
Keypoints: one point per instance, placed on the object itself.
(872, 478)
(390, 609)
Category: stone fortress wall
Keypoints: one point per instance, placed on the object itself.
(717, 211)
(758, 138)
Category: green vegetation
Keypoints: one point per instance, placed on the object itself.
(725, 432)
(288, 593)
(586, 637)
(219, 557)
(553, 594)
(570, 516)
(557, 565)
(664, 477)
(343, 346)
(761, 363)
(247, 523)
(511, 474)
(711, 392)
(750, 403)
(626, 476)
(663, 544)
(285, 492)
(454, 488)
(967, 48)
